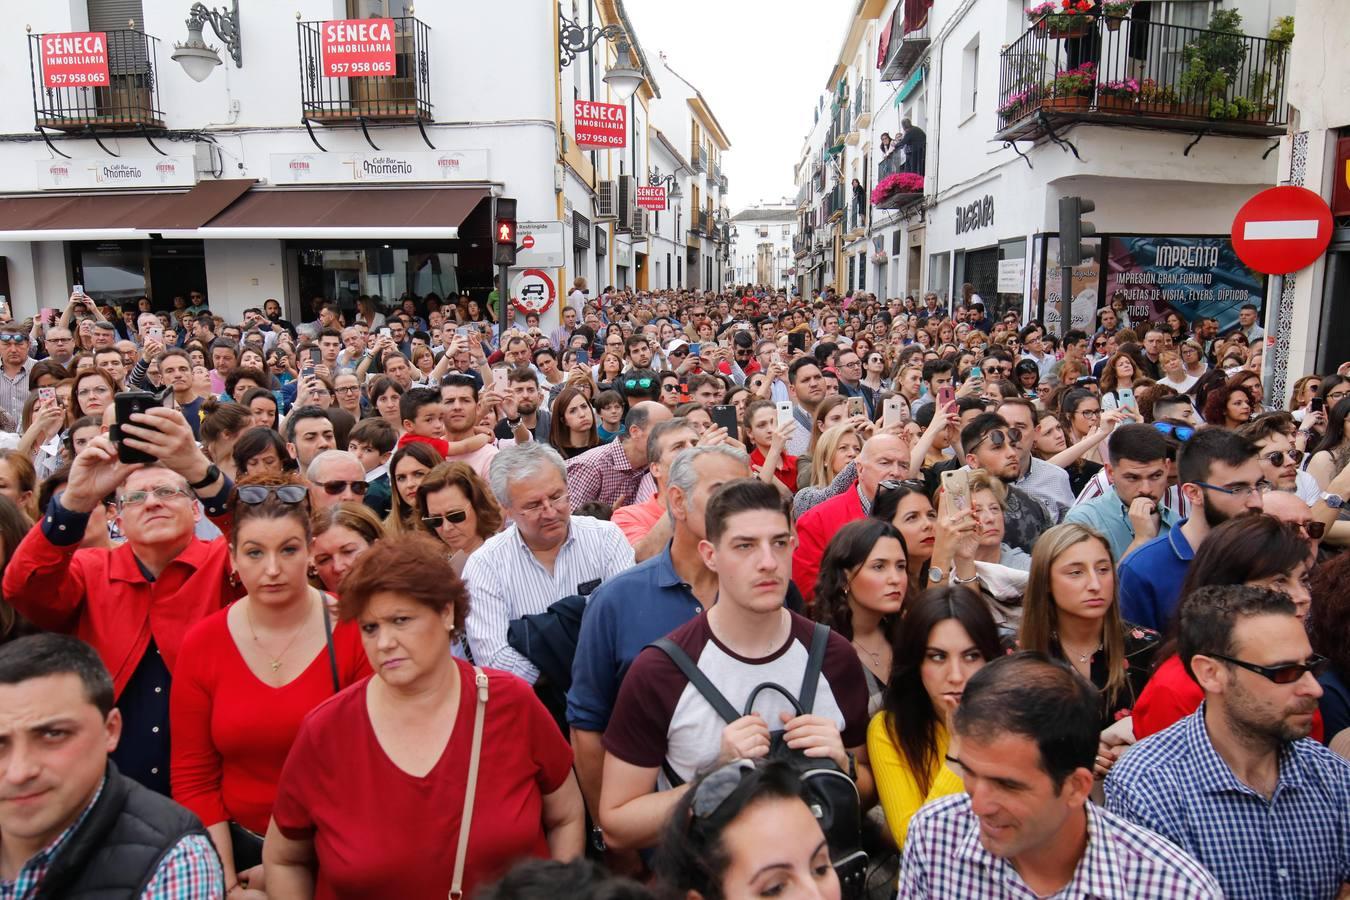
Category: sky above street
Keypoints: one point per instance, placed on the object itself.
(760, 64)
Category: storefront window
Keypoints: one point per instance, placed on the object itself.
(121, 272)
(940, 274)
(343, 274)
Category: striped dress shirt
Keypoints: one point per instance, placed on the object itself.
(506, 581)
(944, 858)
(1293, 846)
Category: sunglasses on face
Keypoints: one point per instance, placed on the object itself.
(1286, 674)
(253, 494)
(456, 517)
(1276, 457)
(333, 488)
(998, 437)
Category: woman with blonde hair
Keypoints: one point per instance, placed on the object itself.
(338, 535)
(18, 482)
(1071, 612)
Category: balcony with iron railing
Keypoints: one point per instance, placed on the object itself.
(905, 48)
(898, 161)
(804, 194)
(833, 207)
(698, 158)
(67, 96)
(1140, 75)
(335, 91)
(862, 104)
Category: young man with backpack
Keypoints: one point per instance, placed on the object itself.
(665, 728)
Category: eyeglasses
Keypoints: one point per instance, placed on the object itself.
(678, 353)
(997, 370)
(333, 488)
(1285, 674)
(1241, 491)
(454, 518)
(1182, 433)
(1335, 397)
(163, 494)
(1276, 457)
(559, 499)
(717, 787)
(1089, 413)
(998, 437)
(350, 389)
(253, 494)
(1314, 530)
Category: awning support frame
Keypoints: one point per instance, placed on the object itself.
(421, 127)
(146, 134)
(50, 146)
(89, 130)
(366, 132)
(310, 128)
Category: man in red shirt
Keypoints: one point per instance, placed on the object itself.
(133, 603)
(884, 457)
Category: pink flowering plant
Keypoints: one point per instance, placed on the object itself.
(897, 183)
(1076, 82)
(1021, 100)
(1128, 89)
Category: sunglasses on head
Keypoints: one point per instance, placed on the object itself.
(1182, 433)
(1285, 674)
(454, 518)
(253, 494)
(7, 338)
(333, 488)
(633, 383)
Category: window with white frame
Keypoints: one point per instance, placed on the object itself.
(970, 76)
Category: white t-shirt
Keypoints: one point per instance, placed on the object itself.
(576, 300)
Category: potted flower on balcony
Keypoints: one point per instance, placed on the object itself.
(1118, 96)
(897, 189)
(1065, 18)
(1072, 88)
(1156, 99)
(1115, 12)
(1020, 103)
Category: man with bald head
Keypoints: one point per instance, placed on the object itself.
(335, 476)
(1288, 508)
(612, 472)
(883, 458)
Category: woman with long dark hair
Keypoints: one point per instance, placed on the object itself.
(572, 424)
(1331, 454)
(946, 635)
(860, 590)
(1252, 550)
(907, 507)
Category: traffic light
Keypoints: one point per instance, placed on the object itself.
(504, 232)
(1072, 230)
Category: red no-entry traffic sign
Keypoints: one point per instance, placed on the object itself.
(1282, 229)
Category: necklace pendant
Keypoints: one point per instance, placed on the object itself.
(276, 664)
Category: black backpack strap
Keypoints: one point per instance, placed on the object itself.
(701, 684)
(697, 679)
(820, 639)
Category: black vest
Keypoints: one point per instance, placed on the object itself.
(118, 847)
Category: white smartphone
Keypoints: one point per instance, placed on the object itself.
(1126, 396)
(957, 486)
(77, 289)
(890, 411)
(385, 332)
(785, 413)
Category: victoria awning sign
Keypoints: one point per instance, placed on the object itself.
(357, 47)
(600, 126)
(75, 59)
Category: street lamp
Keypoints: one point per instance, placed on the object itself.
(671, 181)
(573, 38)
(198, 58)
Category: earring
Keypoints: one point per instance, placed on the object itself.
(313, 571)
(234, 581)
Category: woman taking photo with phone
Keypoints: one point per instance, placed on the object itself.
(412, 738)
(274, 650)
(767, 441)
(945, 637)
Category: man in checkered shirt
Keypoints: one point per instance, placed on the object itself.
(1025, 741)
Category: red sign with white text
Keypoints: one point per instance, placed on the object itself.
(652, 197)
(357, 47)
(75, 59)
(600, 126)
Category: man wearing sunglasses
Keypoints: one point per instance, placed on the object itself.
(14, 372)
(1280, 465)
(133, 603)
(1237, 784)
(990, 443)
(335, 476)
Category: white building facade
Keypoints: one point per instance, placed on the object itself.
(293, 175)
(761, 241)
(1011, 125)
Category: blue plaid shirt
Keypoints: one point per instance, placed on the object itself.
(1294, 846)
(189, 871)
(945, 859)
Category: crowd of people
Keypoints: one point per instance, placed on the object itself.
(695, 594)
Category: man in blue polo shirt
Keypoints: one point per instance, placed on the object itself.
(1131, 513)
(645, 603)
(1220, 475)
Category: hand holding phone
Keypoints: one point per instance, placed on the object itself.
(956, 484)
(785, 413)
(725, 416)
(890, 412)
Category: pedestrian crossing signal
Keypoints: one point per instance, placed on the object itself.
(506, 231)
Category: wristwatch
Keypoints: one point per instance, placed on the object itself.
(212, 473)
(1335, 501)
(935, 574)
(598, 839)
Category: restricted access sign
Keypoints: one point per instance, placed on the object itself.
(600, 126)
(75, 59)
(1282, 230)
(652, 197)
(532, 290)
(357, 47)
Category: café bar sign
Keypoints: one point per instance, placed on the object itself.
(379, 168)
(122, 172)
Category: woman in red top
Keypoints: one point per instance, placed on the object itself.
(380, 817)
(767, 440)
(1256, 551)
(249, 674)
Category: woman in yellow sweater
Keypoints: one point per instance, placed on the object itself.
(947, 634)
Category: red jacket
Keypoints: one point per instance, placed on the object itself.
(814, 530)
(101, 596)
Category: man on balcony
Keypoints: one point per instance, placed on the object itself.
(914, 144)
